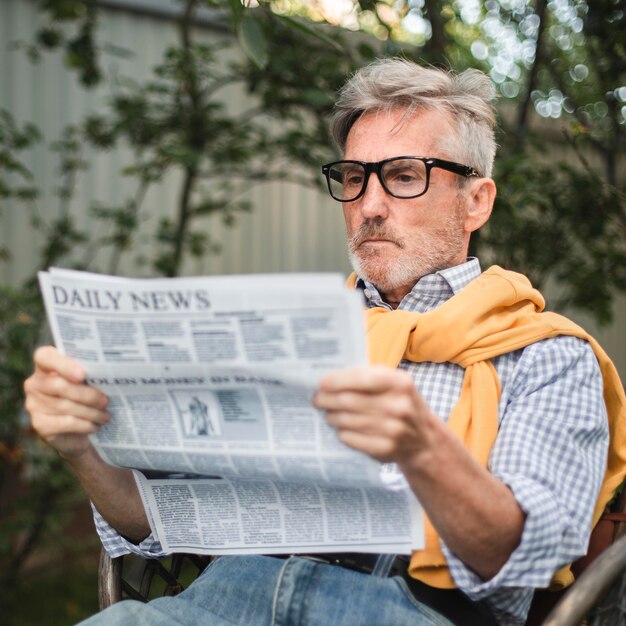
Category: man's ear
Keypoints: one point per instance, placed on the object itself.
(480, 198)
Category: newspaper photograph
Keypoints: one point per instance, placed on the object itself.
(210, 382)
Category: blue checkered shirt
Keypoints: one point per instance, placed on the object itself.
(550, 451)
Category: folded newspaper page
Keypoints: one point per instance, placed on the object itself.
(210, 382)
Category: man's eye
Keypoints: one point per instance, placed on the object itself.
(352, 179)
(403, 176)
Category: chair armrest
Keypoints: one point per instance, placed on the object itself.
(593, 591)
(109, 580)
(141, 579)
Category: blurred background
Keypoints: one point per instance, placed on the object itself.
(165, 137)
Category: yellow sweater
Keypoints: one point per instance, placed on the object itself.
(497, 313)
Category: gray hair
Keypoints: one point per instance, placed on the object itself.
(388, 84)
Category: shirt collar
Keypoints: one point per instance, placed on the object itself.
(431, 290)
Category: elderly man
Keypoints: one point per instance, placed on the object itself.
(492, 416)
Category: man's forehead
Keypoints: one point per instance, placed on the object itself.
(419, 128)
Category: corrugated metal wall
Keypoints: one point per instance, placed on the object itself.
(290, 229)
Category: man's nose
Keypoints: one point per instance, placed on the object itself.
(374, 202)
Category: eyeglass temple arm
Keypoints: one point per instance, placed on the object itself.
(335, 175)
(456, 168)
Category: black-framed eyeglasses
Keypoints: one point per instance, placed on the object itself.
(400, 177)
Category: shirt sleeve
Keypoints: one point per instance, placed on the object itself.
(116, 545)
(551, 452)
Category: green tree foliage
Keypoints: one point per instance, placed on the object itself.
(36, 491)
(561, 209)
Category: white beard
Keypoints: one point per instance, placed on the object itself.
(422, 254)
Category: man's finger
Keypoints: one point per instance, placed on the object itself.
(355, 401)
(372, 379)
(49, 359)
(52, 386)
(378, 448)
(50, 428)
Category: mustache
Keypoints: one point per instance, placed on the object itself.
(372, 229)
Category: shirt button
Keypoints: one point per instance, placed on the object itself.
(367, 293)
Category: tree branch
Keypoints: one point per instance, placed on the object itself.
(522, 111)
(435, 48)
(195, 138)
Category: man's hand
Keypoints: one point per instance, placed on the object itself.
(378, 411)
(63, 409)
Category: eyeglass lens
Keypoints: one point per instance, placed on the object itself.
(403, 178)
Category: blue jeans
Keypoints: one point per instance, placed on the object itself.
(266, 591)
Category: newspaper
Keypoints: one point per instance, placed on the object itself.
(210, 382)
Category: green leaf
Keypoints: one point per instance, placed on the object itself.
(317, 97)
(252, 40)
(313, 32)
(236, 9)
(50, 37)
